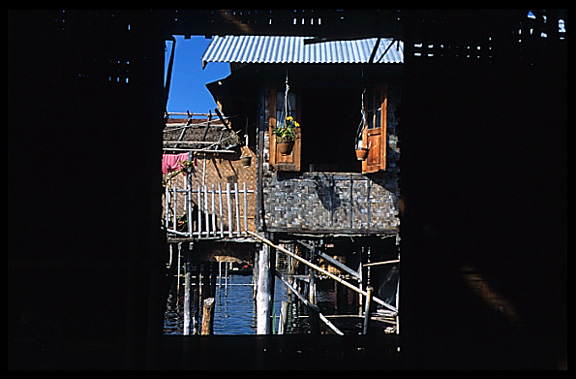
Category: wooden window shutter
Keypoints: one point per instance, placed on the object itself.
(281, 162)
(374, 134)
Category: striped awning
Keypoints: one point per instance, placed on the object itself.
(292, 49)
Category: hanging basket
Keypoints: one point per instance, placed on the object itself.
(246, 160)
(362, 153)
(285, 147)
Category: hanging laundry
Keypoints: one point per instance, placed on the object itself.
(171, 162)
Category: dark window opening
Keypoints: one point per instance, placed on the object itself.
(329, 119)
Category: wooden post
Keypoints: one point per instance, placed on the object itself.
(318, 268)
(208, 317)
(196, 300)
(284, 313)
(369, 289)
(213, 277)
(188, 295)
(179, 266)
(263, 291)
(187, 301)
(312, 277)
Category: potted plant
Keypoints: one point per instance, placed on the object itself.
(286, 135)
(246, 157)
(361, 151)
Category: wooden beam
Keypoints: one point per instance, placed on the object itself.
(318, 268)
(310, 305)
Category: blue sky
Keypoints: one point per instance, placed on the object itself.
(187, 88)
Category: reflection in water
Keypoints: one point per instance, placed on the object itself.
(235, 309)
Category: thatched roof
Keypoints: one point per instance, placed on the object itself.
(198, 134)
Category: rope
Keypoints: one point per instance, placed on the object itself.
(362, 125)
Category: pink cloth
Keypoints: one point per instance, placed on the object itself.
(171, 162)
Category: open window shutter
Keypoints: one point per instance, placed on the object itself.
(374, 135)
(281, 162)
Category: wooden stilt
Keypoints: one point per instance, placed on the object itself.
(188, 323)
(284, 313)
(317, 268)
(263, 291)
(188, 300)
(369, 289)
(208, 317)
(196, 300)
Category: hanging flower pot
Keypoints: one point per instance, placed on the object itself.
(362, 153)
(285, 147)
(246, 160)
(286, 135)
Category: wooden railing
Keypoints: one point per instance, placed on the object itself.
(207, 212)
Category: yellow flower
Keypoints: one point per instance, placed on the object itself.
(289, 118)
(296, 124)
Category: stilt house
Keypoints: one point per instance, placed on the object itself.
(319, 200)
(345, 95)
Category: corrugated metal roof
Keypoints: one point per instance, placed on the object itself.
(291, 49)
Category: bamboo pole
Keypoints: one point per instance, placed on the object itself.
(166, 207)
(175, 226)
(187, 297)
(283, 324)
(199, 213)
(318, 268)
(382, 263)
(311, 306)
(338, 265)
(213, 210)
(206, 214)
(189, 202)
(237, 208)
(220, 210)
(228, 199)
(220, 151)
(369, 289)
(245, 208)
